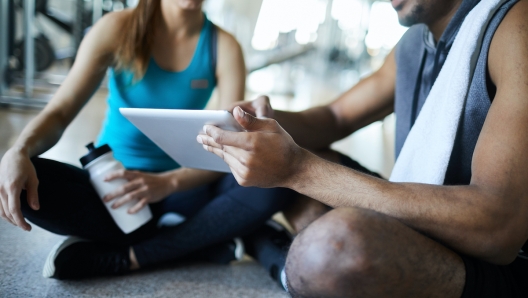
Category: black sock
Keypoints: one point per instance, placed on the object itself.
(269, 247)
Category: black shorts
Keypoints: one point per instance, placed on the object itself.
(488, 280)
(482, 278)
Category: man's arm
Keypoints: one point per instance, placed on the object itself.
(487, 219)
(370, 100)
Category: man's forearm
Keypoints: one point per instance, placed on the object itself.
(462, 217)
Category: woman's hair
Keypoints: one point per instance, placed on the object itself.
(135, 43)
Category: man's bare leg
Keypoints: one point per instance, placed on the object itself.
(353, 252)
(304, 210)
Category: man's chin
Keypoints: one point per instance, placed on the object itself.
(407, 19)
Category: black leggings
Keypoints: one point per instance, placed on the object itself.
(215, 213)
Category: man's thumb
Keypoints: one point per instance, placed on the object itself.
(249, 122)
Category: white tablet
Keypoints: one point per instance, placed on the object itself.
(175, 131)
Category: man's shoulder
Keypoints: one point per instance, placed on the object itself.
(410, 43)
(510, 41)
(515, 23)
(415, 33)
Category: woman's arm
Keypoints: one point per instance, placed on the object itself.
(94, 57)
(230, 70)
(16, 169)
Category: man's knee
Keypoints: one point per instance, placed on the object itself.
(335, 254)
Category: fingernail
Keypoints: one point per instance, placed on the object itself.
(205, 128)
(199, 139)
(36, 206)
(240, 112)
(114, 206)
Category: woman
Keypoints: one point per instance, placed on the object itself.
(162, 54)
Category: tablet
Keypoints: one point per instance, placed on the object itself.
(175, 132)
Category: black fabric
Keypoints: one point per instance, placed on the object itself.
(215, 213)
(269, 247)
(235, 211)
(487, 280)
(88, 259)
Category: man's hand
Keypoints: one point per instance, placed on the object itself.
(144, 187)
(17, 173)
(264, 156)
(259, 107)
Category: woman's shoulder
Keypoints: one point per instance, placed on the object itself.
(227, 42)
(116, 19)
(109, 28)
(230, 54)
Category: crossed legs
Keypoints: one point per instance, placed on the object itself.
(351, 252)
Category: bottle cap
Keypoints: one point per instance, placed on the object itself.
(94, 153)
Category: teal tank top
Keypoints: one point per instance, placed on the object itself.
(158, 89)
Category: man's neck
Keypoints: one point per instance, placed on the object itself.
(438, 26)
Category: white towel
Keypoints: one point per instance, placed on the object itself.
(426, 152)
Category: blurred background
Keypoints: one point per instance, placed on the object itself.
(301, 53)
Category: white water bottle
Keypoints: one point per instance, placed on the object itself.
(100, 162)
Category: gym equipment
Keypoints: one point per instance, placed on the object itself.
(25, 99)
(35, 53)
(44, 53)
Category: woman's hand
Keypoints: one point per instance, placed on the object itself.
(16, 174)
(145, 187)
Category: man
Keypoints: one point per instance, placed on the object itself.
(406, 239)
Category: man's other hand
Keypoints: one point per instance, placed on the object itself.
(259, 107)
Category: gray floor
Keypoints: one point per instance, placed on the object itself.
(22, 254)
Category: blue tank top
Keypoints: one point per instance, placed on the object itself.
(158, 89)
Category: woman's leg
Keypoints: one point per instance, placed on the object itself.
(235, 211)
(70, 206)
